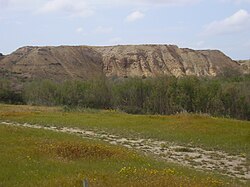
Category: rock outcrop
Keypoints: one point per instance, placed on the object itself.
(84, 62)
(245, 65)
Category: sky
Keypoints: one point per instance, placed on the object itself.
(196, 24)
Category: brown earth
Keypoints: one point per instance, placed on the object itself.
(245, 65)
(85, 62)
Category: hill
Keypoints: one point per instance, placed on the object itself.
(85, 62)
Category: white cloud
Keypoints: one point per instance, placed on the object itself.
(153, 2)
(72, 7)
(83, 7)
(136, 15)
(103, 30)
(79, 30)
(168, 2)
(239, 21)
(55, 5)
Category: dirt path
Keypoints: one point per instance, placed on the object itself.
(226, 164)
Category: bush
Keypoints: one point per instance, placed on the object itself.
(8, 95)
(163, 95)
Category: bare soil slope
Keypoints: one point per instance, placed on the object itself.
(245, 65)
(84, 62)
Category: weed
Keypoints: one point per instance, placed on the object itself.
(183, 149)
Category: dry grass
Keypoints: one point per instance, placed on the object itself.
(80, 150)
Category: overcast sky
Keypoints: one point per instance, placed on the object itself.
(197, 24)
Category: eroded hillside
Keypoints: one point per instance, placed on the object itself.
(245, 65)
(84, 62)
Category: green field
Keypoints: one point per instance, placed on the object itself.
(214, 133)
(31, 157)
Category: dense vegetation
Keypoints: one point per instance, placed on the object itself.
(8, 94)
(228, 97)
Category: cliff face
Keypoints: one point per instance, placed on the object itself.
(154, 60)
(84, 62)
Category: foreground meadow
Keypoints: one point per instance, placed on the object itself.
(37, 157)
(204, 131)
(40, 158)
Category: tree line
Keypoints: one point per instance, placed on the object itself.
(228, 97)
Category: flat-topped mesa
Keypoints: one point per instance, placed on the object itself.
(85, 62)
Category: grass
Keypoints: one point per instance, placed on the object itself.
(228, 135)
(31, 157)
